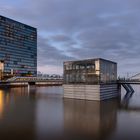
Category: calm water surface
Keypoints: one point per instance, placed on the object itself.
(42, 113)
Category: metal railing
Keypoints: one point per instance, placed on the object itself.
(16, 79)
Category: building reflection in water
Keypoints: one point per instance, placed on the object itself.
(17, 114)
(49, 112)
(42, 115)
(49, 118)
(1, 103)
(89, 119)
(58, 118)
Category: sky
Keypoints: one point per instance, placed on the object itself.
(81, 29)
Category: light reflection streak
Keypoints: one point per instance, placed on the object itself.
(1, 103)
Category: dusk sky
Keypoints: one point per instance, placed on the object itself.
(81, 29)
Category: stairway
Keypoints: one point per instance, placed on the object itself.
(128, 88)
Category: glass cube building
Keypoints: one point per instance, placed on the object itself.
(18, 47)
(91, 71)
(91, 79)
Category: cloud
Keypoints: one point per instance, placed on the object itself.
(60, 38)
(80, 29)
(49, 55)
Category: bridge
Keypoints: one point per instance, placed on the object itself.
(126, 83)
(32, 81)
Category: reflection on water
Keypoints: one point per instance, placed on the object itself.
(17, 115)
(42, 113)
(49, 118)
(1, 103)
(88, 119)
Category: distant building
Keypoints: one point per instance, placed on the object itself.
(18, 48)
(80, 75)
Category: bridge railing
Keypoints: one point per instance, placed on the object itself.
(16, 79)
(128, 80)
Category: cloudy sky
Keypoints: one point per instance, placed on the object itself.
(79, 29)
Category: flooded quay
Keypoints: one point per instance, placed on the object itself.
(42, 113)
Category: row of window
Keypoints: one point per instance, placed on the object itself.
(24, 34)
(11, 55)
(80, 67)
(16, 71)
(10, 41)
(12, 23)
(18, 37)
(11, 61)
(16, 63)
(19, 51)
(80, 78)
(16, 29)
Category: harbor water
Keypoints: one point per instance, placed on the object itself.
(41, 113)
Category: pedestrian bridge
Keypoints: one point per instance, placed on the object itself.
(127, 84)
(32, 81)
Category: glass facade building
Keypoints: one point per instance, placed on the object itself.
(91, 71)
(18, 47)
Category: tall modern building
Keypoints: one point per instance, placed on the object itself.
(18, 48)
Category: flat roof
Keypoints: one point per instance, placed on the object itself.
(92, 59)
(18, 22)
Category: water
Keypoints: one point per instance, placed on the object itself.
(42, 113)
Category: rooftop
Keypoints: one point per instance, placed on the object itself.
(91, 59)
(18, 22)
